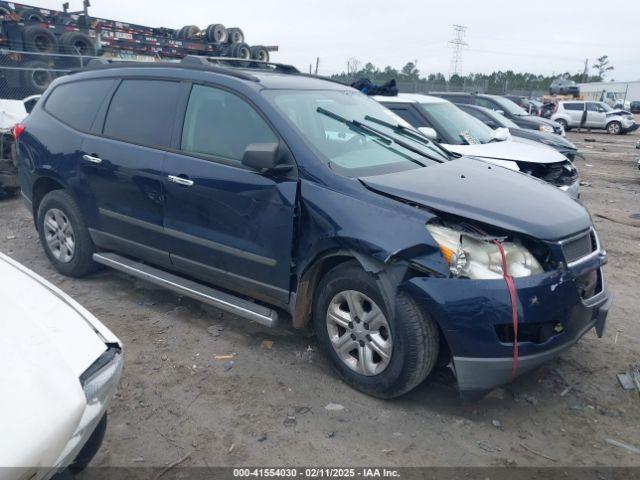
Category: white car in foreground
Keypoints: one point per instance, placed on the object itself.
(59, 368)
(457, 131)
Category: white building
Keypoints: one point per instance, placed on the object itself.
(628, 91)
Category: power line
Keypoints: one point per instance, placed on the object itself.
(458, 44)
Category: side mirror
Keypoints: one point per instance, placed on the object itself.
(261, 156)
(429, 132)
(501, 134)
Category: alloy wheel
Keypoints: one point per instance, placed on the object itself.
(59, 235)
(359, 333)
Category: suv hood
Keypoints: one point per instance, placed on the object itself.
(510, 150)
(473, 189)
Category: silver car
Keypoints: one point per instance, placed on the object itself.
(599, 116)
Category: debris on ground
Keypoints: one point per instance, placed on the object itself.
(585, 184)
(625, 446)
(497, 424)
(231, 448)
(266, 344)
(565, 391)
(630, 380)
(215, 330)
(224, 357)
(173, 465)
(262, 437)
(334, 407)
(591, 140)
(535, 452)
(228, 366)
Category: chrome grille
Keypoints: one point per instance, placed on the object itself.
(579, 247)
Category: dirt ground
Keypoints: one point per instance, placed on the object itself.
(267, 407)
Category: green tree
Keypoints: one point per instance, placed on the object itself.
(603, 66)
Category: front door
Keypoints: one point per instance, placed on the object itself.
(122, 168)
(596, 115)
(230, 225)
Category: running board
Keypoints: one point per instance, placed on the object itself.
(223, 301)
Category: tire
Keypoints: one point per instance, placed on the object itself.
(235, 35)
(614, 128)
(414, 336)
(563, 122)
(38, 39)
(78, 43)
(59, 205)
(260, 53)
(239, 50)
(36, 77)
(32, 15)
(216, 33)
(188, 31)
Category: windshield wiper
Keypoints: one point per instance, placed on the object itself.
(410, 133)
(375, 132)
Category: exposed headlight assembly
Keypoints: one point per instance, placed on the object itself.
(476, 257)
(546, 128)
(101, 376)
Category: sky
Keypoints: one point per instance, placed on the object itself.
(546, 37)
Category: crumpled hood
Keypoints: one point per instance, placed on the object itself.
(490, 194)
(511, 150)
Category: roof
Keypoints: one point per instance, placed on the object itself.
(409, 98)
(271, 79)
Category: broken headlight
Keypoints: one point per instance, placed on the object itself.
(474, 256)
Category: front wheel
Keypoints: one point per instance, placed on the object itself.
(379, 354)
(614, 128)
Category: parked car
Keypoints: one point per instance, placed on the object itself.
(530, 106)
(495, 120)
(635, 107)
(279, 196)
(564, 86)
(599, 116)
(507, 108)
(60, 368)
(459, 132)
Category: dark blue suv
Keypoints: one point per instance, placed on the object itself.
(279, 196)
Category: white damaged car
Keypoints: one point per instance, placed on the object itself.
(59, 368)
(457, 131)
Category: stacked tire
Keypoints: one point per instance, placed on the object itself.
(231, 40)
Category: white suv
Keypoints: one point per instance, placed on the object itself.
(599, 115)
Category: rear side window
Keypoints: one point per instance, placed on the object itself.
(222, 125)
(143, 112)
(77, 103)
(574, 106)
(408, 116)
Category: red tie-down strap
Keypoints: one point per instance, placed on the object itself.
(511, 286)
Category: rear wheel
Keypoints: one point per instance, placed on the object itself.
(64, 235)
(380, 354)
(614, 128)
(563, 122)
(36, 77)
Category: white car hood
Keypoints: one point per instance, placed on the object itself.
(47, 342)
(510, 150)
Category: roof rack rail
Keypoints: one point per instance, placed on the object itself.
(241, 62)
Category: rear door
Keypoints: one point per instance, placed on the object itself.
(574, 110)
(122, 167)
(229, 225)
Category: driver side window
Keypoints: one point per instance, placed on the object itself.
(221, 124)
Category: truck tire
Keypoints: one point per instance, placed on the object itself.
(216, 33)
(64, 235)
(188, 31)
(38, 39)
(235, 35)
(78, 43)
(36, 77)
(239, 50)
(260, 53)
(31, 15)
(382, 355)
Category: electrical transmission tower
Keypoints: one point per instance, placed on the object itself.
(458, 44)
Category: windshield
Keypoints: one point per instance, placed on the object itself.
(509, 106)
(504, 121)
(330, 119)
(457, 127)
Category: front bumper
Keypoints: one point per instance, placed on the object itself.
(472, 313)
(630, 128)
